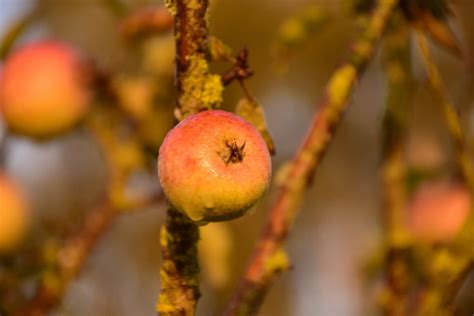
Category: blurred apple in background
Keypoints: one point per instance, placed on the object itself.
(438, 210)
(43, 89)
(13, 214)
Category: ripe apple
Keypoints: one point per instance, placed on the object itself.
(438, 210)
(13, 214)
(42, 89)
(214, 166)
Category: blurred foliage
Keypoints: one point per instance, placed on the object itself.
(295, 32)
(253, 113)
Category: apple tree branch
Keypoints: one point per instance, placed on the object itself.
(269, 258)
(197, 90)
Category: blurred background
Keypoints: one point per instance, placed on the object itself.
(339, 224)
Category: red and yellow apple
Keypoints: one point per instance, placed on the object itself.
(438, 210)
(214, 166)
(13, 214)
(42, 90)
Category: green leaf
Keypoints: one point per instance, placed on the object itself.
(219, 51)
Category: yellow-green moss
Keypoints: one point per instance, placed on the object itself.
(338, 87)
(277, 262)
(201, 90)
(179, 270)
(171, 6)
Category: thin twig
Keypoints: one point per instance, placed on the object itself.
(73, 256)
(240, 69)
(450, 113)
(268, 258)
(14, 32)
(79, 245)
(398, 72)
(70, 260)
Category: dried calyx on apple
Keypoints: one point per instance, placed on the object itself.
(214, 166)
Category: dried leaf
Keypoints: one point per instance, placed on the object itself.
(253, 112)
(440, 32)
(218, 50)
(432, 17)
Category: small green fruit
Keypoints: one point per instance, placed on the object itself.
(214, 166)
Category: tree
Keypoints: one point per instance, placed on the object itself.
(424, 255)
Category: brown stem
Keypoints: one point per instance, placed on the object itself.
(70, 261)
(398, 72)
(267, 259)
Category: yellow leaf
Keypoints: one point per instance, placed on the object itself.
(253, 113)
(439, 31)
(218, 50)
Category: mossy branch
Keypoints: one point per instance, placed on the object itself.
(268, 258)
(180, 267)
(70, 261)
(397, 65)
(198, 90)
(73, 255)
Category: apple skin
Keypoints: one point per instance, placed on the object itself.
(13, 214)
(214, 166)
(42, 89)
(438, 210)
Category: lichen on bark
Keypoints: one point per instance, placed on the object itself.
(204, 90)
(198, 89)
(180, 269)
